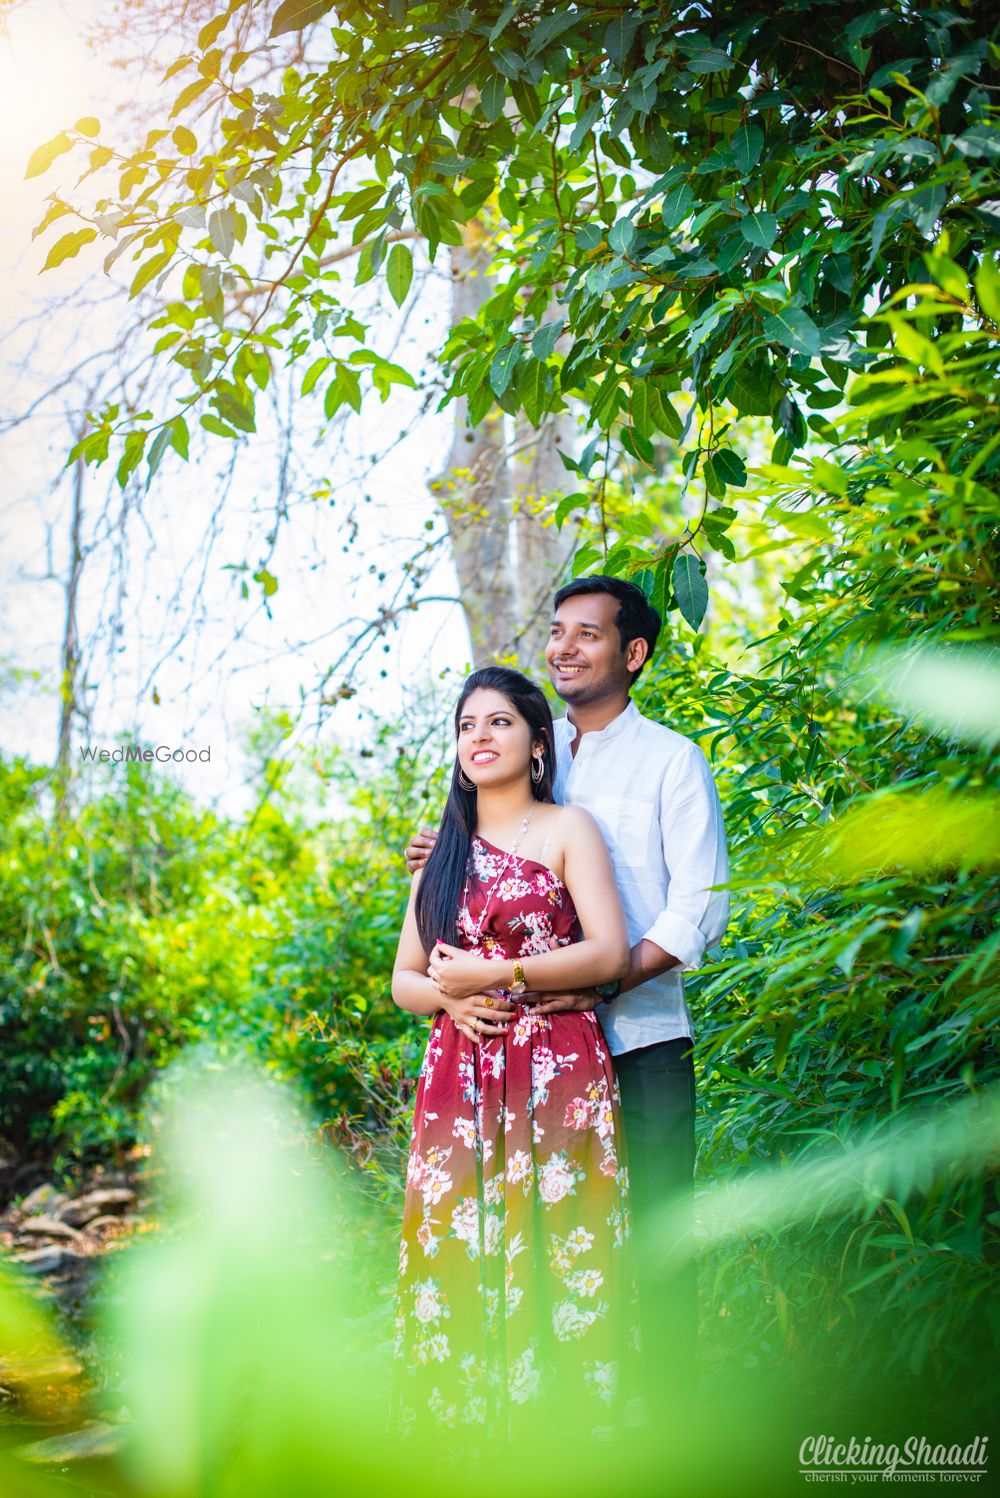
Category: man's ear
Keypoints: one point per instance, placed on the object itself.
(636, 654)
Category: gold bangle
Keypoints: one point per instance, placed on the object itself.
(518, 986)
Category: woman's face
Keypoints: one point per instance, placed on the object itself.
(494, 741)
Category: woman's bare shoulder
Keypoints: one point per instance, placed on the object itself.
(574, 822)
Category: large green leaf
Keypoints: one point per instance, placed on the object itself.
(795, 329)
(747, 144)
(760, 229)
(494, 95)
(749, 389)
(69, 245)
(42, 158)
(690, 587)
(399, 272)
(502, 367)
(296, 15)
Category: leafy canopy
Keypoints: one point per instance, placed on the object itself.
(678, 202)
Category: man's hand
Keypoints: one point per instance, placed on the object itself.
(562, 1003)
(418, 852)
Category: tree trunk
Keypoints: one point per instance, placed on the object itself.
(543, 551)
(508, 557)
(474, 489)
(70, 655)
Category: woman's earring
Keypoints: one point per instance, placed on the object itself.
(465, 782)
(537, 769)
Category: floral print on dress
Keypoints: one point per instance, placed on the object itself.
(514, 1263)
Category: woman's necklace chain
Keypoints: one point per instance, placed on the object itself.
(503, 869)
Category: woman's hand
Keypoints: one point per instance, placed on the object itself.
(480, 1015)
(456, 973)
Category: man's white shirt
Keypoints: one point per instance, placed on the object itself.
(652, 794)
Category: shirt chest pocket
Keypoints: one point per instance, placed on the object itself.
(630, 827)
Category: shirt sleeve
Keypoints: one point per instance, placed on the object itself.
(694, 850)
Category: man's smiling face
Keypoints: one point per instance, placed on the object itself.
(584, 654)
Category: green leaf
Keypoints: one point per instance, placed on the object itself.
(345, 390)
(180, 437)
(532, 387)
(568, 504)
(677, 205)
(620, 34)
(988, 288)
(730, 467)
(399, 272)
(150, 270)
(130, 459)
(527, 101)
(45, 155)
(621, 236)
(210, 282)
(215, 426)
(584, 558)
(493, 97)
(747, 144)
(639, 408)
(211, 30)
(89, 126)
(795, 329)
(503, 20)
(235, 411)
(710, 60)
(502, 368)
(316, 369)
(605, 405)
(509, 62)
(188, 94)
(385, 374)
(160, 444)
(70, 245)
(56, 209)
(185, 140)
(760, 229)
(690, 587)
(832, 478)
(981, 140)
(222, 230)
(549, 27)
(296, 15)
(546, 337)
(750, 391)
(663, 413)
(267, 581)
(948, 275)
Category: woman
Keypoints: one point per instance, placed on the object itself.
(515, 1220)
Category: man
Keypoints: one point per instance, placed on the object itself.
(652, 794)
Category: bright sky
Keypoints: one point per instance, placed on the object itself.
(165, 625)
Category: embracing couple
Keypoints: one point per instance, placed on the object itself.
(573, 879)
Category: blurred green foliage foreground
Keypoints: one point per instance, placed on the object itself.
(253, 1362)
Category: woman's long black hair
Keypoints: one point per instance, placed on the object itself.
(440, 891)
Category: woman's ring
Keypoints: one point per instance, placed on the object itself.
(488, 1002)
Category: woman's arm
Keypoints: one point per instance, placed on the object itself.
(601, 956)
(477, 1015)
(412, 989)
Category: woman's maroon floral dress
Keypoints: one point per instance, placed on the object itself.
(514, 1271)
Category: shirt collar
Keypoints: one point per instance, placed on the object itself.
(613, 730)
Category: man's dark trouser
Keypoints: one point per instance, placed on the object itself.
(658, 1103)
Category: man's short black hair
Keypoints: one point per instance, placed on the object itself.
(636, 617)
